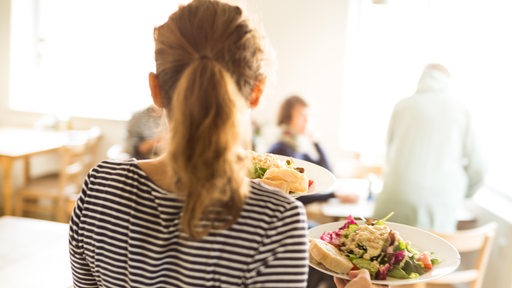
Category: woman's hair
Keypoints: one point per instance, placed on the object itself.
(208, 60)
(284, 117)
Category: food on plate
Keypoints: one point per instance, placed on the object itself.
(281, 174)
(261, 162)
(287, 178)
(330, 256)
(374, 246)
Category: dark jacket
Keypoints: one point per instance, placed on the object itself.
(281, 148)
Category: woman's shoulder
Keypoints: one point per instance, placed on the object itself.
(123, 178)
(113, 166)
(118, 171)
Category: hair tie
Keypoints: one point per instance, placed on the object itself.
(204, 57)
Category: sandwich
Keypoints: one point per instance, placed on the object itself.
(273, 171)
(286, 179)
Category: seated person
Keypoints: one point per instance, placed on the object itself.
(296, 141)
(144, 137)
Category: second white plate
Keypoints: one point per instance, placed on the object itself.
(421, 239)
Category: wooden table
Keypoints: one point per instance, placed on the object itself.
(361, 206)
(21, 144)
(334, 209)
(34, 253)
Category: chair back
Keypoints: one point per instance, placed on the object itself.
(93, 140)
(478, 240)
(78, 159)
(73, 164)
(73, 168)
(54, 195)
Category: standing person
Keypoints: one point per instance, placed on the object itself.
(191, 217)
(144, 133)
(433, 159)
(295, 139)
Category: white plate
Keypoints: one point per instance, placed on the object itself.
(420, 239)
(323, 179)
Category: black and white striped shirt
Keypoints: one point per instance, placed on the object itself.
(124, 232)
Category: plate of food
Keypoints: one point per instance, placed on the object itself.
(290, 175)
(393, 253)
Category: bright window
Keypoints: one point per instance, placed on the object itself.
(387, 47)
(83, 58)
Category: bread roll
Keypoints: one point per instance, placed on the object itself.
(329, 256)
(298, 182)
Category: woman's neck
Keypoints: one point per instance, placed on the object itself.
(158, 170)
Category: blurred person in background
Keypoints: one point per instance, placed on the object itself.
(144, 133)
(433, 160)
(296, 139)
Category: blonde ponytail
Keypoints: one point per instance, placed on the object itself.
(208, 60)
(205, 156)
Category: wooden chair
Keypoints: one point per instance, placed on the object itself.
(89, 161)
(92, 143)
(477, 240)
(53, 196)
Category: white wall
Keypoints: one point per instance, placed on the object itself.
(307, 37)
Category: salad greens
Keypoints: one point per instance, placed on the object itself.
(380, 250)
(260, 166)
(257, 172)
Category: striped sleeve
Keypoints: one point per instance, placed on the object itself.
(82, 272)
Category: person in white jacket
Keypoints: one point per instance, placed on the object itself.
(433, 161)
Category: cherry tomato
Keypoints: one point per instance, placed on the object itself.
(425, 259)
